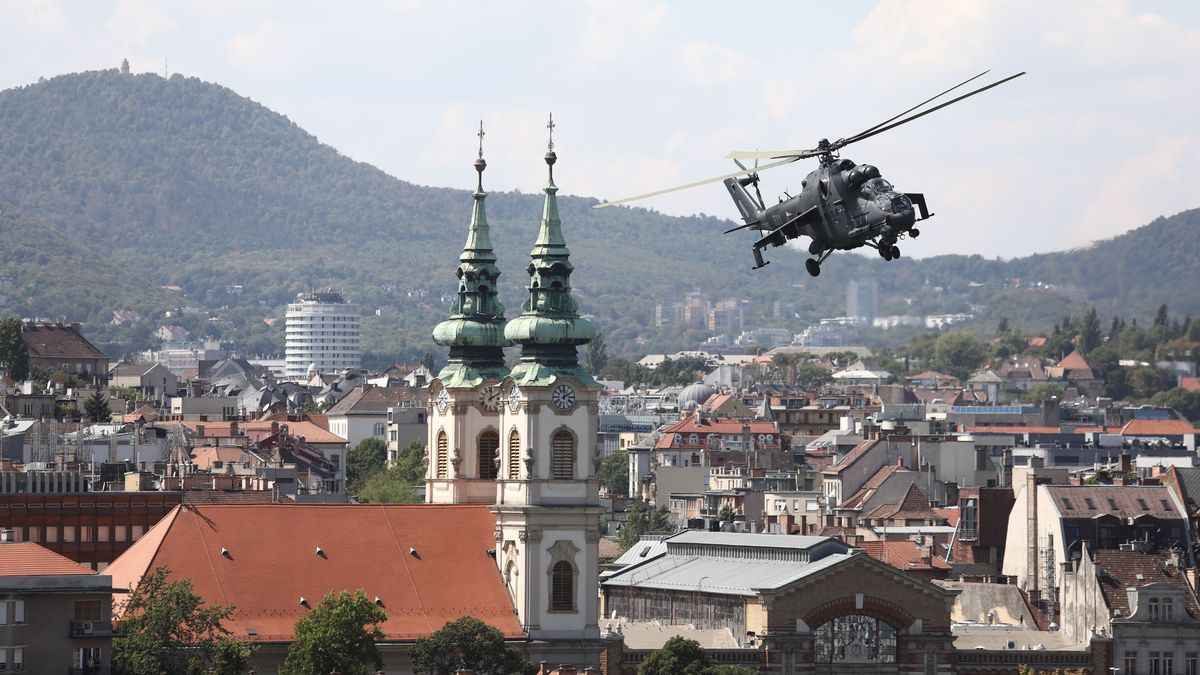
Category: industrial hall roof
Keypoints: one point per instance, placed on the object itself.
(426, 564)
(728, 563)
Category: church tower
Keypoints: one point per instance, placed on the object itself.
(465, 398)
(547, 502)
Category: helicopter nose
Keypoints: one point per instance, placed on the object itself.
(902, 220)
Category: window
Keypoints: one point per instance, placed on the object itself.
(514, 455)
(87, 610)
(1155, 610)
(562, 455)
(380, 429)
(1131, 663)
(443, 456)
(1142, 503)
(12, 658)
(1112, 503)
(1168, 610)
(88, 657)
(1090, 504)
(855, 638)
(489, 443)
(1162, 663)
(1191, 664)
(1067, 504)
(12, 612)
(562, 587)
(1166, 505)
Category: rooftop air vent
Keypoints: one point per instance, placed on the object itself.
(225, 553)
(379, 601)
(320, 552)
(303, 601)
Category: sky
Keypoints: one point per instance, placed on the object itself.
(1101, 136)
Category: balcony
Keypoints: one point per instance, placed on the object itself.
(86, 629)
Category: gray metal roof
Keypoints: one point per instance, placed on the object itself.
(747, 539)
(722, 576)
(644, 549)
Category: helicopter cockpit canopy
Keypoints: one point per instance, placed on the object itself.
(880, 185)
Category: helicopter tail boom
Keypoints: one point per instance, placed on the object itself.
(750, 210)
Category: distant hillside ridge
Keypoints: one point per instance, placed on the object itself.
(182, 182)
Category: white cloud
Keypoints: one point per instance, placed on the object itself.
(139, 21)
(708, 64)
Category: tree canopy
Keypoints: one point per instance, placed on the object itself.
(467, 644)
(166, 628)
(14, 355)
(681, 656)
(338, 635)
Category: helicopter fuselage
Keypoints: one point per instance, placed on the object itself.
(840, 206)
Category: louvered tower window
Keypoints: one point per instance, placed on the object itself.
(562, 587)
(489, 443)
(443, 456)
(562, 455)
(514, 455)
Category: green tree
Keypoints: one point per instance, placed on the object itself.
(388, 487)
(467, 644)
(1186, 403)
(614, 472)
(958, 354)
(634, 527)
(339, 635)
(596, 355)
(166, 628)
(1146, 381)
(1089, 333)
(96, 407)
(726, 514)
(1040, 393)
(364, 460)
(410, 463)
(14, 355)
(681, 656)
(812, 376)
(660, 520)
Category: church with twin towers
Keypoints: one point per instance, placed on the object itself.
(523, 439)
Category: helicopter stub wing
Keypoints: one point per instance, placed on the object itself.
(796, 226)
(706, 181)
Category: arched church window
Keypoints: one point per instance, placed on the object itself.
(489, 443)
(514, 455)
(442, 459)
(562, 587)
(855, 638)
(562, 455)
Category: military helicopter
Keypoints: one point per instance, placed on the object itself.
(841, 205)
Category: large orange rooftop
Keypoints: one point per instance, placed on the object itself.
(427, 564)
(27, 559)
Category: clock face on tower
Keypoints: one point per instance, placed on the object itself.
(489, 398)
(563, 397)
(514, 399)
(443, 399)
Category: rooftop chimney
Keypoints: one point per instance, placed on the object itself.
(6, 536)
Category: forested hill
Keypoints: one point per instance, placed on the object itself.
(184, 182)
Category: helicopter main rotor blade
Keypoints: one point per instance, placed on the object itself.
(854, 139)
(928, 100)
(771, 154)
(698, 183)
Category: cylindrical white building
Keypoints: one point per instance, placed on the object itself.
(322, 329)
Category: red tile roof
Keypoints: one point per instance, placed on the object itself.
(868, 488)
(1074, 361)
(902, 554)
(950, 513)
(724, 426)
(1158, 428)
(272, 563)
(1123, 569)
(914, 505)
(27, 559)
(259, 429)
(1190, 383)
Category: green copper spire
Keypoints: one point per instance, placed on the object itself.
(550, 329)
(475, 330)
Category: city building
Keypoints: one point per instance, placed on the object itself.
(55, 615)
(323, 331)
(61, 347)
(862, 300)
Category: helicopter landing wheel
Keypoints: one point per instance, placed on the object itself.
(914, 233)
(885, 252)
(815, 247)
(895, 253)
(813, 267)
